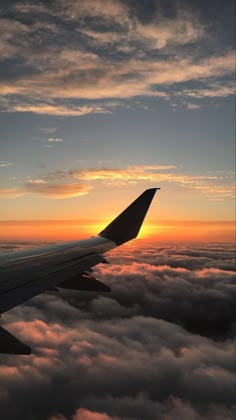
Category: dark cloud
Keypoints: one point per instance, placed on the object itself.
(117, 356)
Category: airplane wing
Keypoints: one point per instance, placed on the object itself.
(24, 274)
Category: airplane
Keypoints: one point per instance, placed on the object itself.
(27, 273)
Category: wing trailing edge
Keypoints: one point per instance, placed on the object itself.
(127, 225)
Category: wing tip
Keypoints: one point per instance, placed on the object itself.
(126, 226)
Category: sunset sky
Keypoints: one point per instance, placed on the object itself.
(101, 99)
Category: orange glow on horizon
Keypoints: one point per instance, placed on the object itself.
(222, 231)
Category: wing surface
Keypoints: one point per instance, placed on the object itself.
(28, 278)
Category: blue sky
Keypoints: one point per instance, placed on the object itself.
(105, 98)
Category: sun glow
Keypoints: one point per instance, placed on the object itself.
(64, 230)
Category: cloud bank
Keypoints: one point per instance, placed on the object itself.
(159, 346)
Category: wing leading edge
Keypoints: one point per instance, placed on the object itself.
(25, 274)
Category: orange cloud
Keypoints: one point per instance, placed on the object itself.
(39, 332)
(55, 109)
(218, 185)
(57, 190)
(215, 185)
(9, 372)
(40, 187)
(84, 414)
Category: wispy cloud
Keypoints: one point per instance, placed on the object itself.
(55, 140)
(212, 91)
(11, 192)
(56, 190)
(37, 181)
(42, 188)
(44, 108)
(5, 163)
(216, 184)
(190, 105)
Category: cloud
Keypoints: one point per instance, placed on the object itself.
(57, 190)
(213, 91)
(41, 187)
(11, 192)
(53, 109)
(100, 79)
(55, 140)
(106, 49)
(184, 29)
(117, 356)
(88, 8)
(190, 105)
(173, 293)
(30, 8)
(5, 163)
(158, 34)
(84, 414)
(215, 184)
(218, 185)
(9, 30)
(37, 181)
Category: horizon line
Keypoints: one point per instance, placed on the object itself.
(84, 221)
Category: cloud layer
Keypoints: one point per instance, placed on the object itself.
(88, 51)
(61, 184)
(159, 346)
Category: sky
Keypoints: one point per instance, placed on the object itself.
(101, 99)
(159, 346)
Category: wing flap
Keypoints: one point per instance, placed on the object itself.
(9, 344)
(85, 282)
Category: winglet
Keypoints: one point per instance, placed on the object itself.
(11, 345)
(127, 225)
